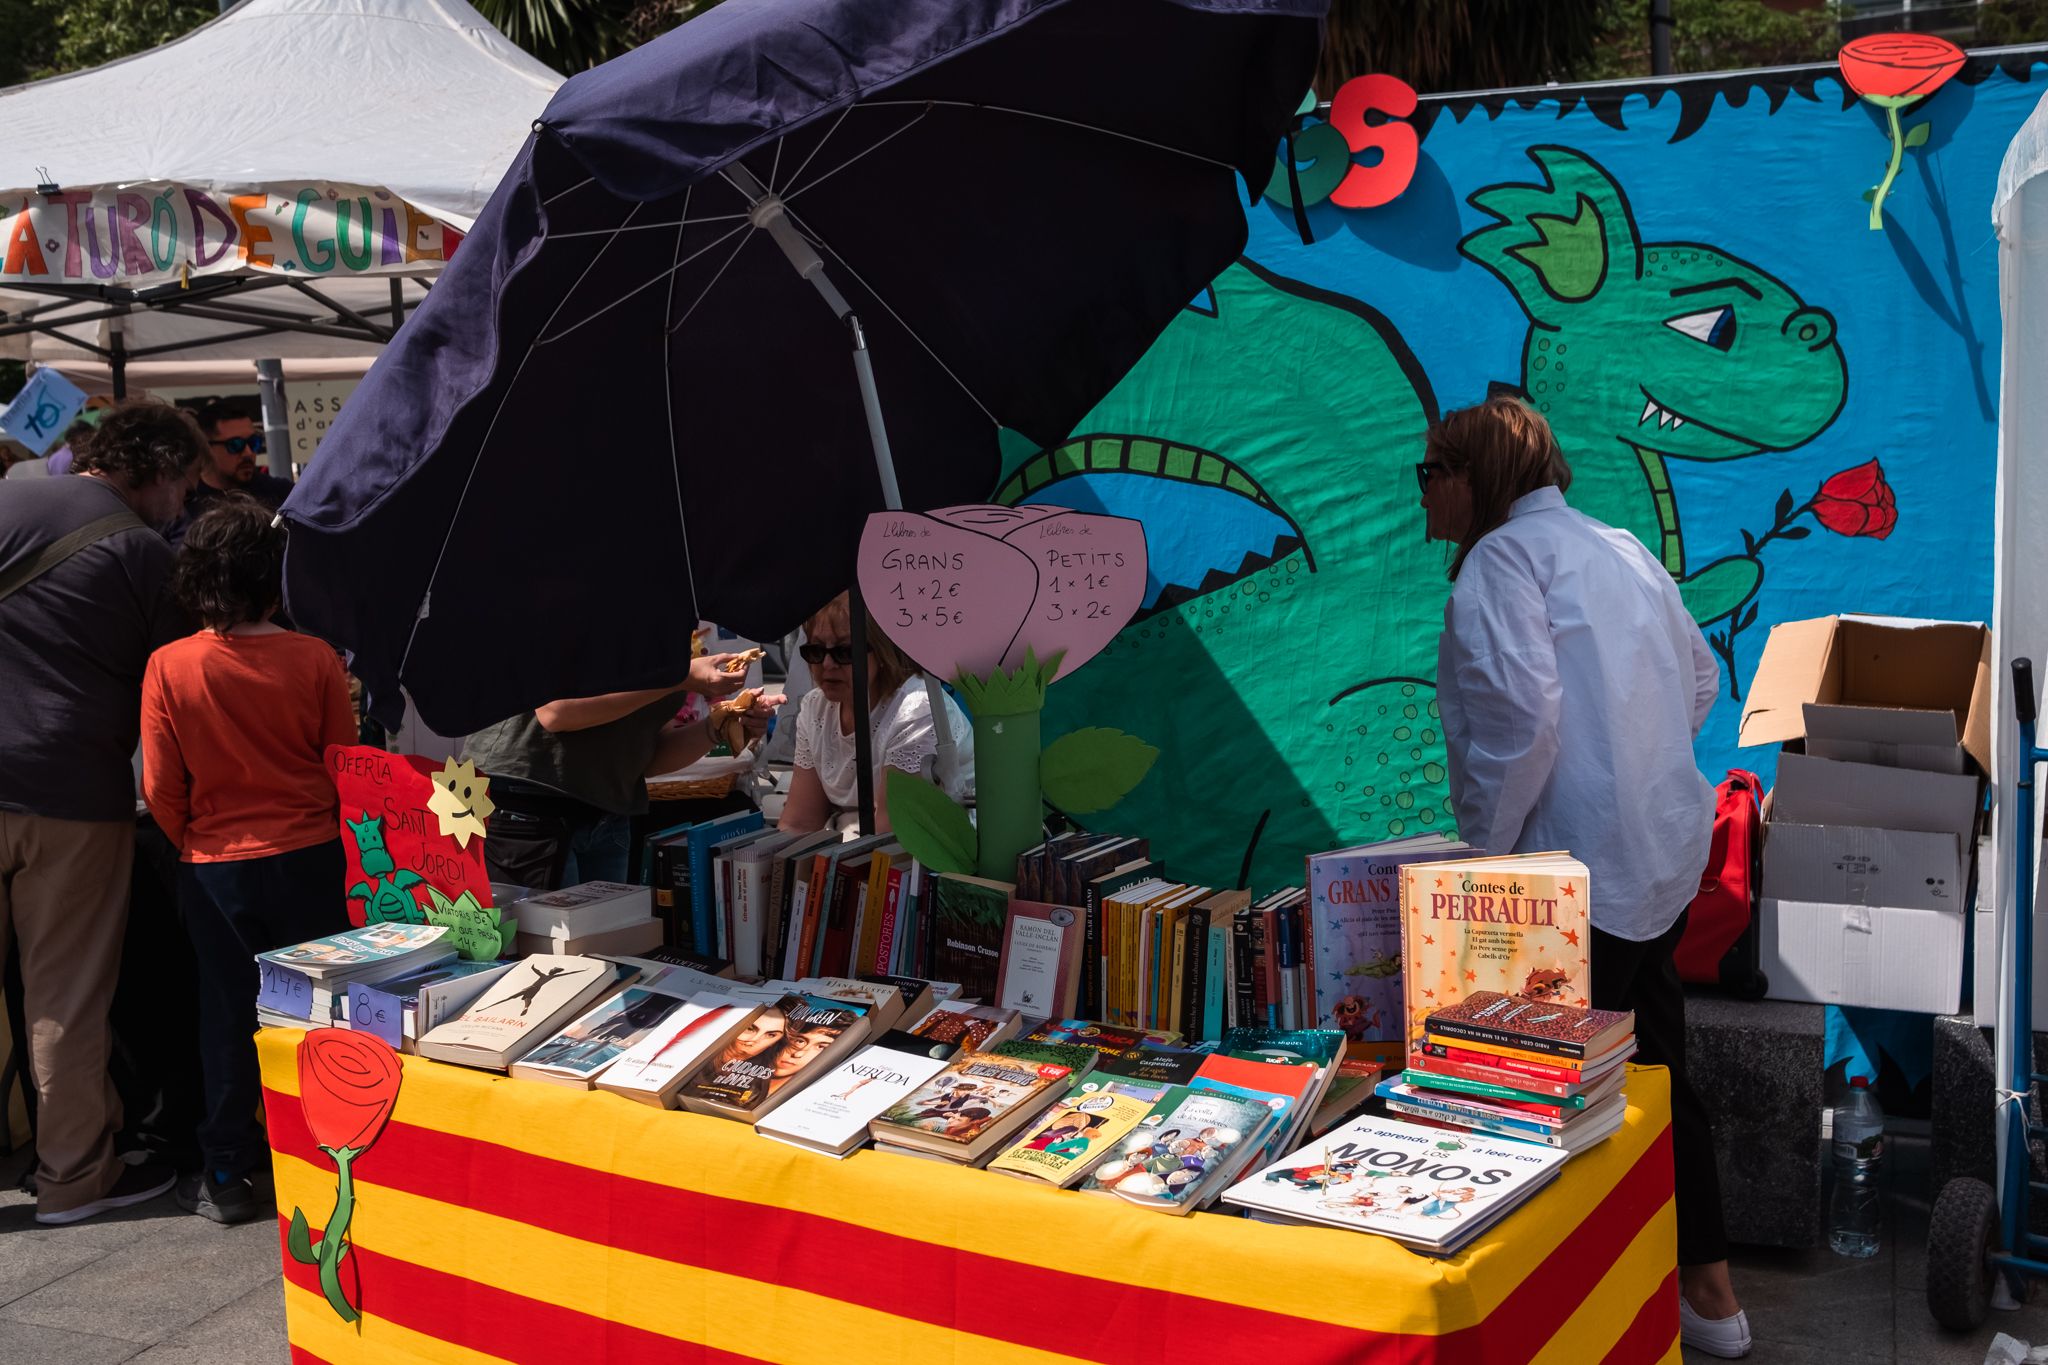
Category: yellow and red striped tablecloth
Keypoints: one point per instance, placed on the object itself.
(501, 1220)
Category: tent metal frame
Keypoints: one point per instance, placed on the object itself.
(218, 299)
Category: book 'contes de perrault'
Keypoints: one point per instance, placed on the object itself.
(1354, 932)
(1517, 925)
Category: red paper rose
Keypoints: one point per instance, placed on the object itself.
(1898, 66)
(347, 1085)
(1857, 502)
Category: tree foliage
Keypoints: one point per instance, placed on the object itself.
(1443, 45)
(1715, 35)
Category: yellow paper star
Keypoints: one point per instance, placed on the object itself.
(461, 801)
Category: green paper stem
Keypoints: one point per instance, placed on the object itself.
(1009, 810)
(1891, 172)
(333, 1242)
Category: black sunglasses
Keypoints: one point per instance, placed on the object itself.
(816, 654)
(1429, 469)
(237, 444)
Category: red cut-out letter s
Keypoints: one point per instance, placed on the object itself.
(1367, 187)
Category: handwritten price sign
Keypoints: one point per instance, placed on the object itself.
(969, 589)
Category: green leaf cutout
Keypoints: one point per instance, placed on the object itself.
(929, 824)
(1916, 135)
(300, 1239)
(1093, 769)
(1870, 194)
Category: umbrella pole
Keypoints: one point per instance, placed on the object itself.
(857, 613)
(766, 210)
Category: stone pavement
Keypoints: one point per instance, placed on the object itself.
(1817, 1308)
(149, 1284)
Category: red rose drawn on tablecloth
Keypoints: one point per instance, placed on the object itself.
(1892, 70)
(348, 1083)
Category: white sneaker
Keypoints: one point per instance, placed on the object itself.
(136, 1185)
(1727, 1338)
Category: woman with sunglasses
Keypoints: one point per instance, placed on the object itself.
(823, 790)
(1572, 681)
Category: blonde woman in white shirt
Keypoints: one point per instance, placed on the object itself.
(1572, 681)
(823, 789)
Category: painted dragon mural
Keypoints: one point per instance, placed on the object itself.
(1284, 659)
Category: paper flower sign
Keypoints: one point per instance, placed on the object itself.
(1891, 71)
(1001, 601)
(348, 1083)
(967, 590)
(478, 933)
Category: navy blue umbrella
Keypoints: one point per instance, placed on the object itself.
(629, 402)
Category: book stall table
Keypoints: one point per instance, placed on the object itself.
(499, 1219)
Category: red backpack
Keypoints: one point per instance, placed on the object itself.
(1719, 946)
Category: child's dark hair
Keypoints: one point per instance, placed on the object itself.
(231, 566)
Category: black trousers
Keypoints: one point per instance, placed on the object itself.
(234, 911)
(1642, 977)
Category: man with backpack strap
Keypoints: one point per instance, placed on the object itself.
(84, 598)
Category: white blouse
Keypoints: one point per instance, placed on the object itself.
(904, 737)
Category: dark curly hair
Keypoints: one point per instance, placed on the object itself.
(230, 567)
(141, 442)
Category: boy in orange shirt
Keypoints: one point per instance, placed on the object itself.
(235, 724)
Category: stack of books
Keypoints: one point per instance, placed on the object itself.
(1532, 1070)
(588, 919)
(308, 984)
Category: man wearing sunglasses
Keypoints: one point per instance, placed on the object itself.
(235, 448)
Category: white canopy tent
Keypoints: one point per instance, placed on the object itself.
(276, 109)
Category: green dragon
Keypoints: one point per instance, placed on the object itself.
(387, 897)
(1292, 692)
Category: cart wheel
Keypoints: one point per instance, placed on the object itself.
(1961, 1234)
(1753, 985)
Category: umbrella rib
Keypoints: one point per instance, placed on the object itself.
(936, 358)
(705, 292)
(570, 190)
(794, 191)
(476, 460)
(1049, 118)
(666, 274)
(799, 172)
(669, 401)
(646, 227)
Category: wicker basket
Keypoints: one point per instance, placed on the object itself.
(702, 789)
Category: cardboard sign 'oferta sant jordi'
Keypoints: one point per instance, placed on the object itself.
(414, 839)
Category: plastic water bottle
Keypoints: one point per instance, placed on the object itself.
(1855, 1211)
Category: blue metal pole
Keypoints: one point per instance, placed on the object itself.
(2013, 1198)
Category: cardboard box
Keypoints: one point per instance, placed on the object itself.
(1892, 738)
(1870, 663)
(1854, 865)
(1884, 957)
(1886, 728)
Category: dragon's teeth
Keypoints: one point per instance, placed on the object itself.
(1676, 421)
(1649, 407)
(1663, 418)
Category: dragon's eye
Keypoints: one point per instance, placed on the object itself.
(1716, 327)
